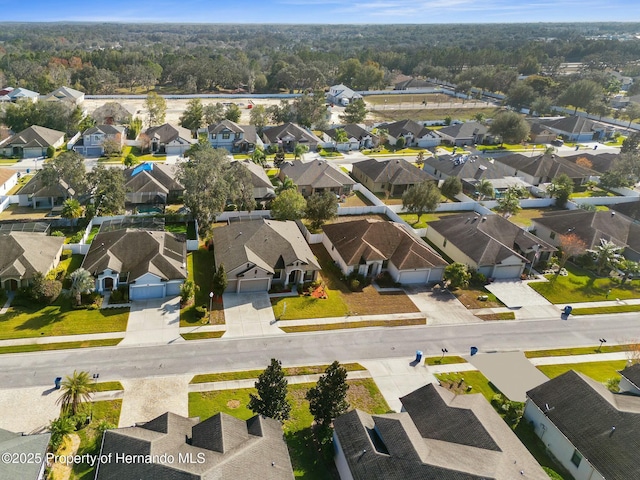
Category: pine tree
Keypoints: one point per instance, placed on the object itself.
(271, 400)
(328, 399)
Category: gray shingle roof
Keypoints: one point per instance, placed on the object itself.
(396, 171)
(545, 166)
(573, 124)
(410, 445)
(464, 130)
(261, 243)
(106, 129)
(600, 163)
(591, 227)
(585, 412)
(222, 447)
(22, 254)
(353, 130)
(31, 446)
(630, 209)
(37, 188)
(137, 252)
(160, 178)
(468, 169)
(35, 136)
(289, 132)
(315, 173)
(167, 133)
(404, 127)
(632, 374)
(370, 239)
(259, 177)
(487, 240)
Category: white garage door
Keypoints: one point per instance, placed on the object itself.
(254, 285)
(507, 271)
(146, 291)
(419, 276)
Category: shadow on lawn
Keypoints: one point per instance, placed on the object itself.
(308, 457)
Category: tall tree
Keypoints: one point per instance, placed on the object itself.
(520, 96)
(321, 207)
(632, 112)
(286, 184)
(288, 205)
(457, 275)
(509, 203)
(570, 245)
(76, 390)
(310, 110)
(561, 189)
(219, 282)
(510, 126)
(241, 187)
(156, 109)
(580, 94)
(607, 255)
(421, 198)
(68, 167)
(355, 112)
(81, 282)
(109, 190)
(213, 113)
(259, 117)
(451, 187)
(485, 189)
(233, 113)
(271, 399)
(193, 115)
(299, 151)
(328, 399)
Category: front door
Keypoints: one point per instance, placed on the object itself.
(11, 284)
(293, 277)
(108, 283)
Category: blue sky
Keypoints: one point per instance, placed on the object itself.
(324, 11)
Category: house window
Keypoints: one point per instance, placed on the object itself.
(277, 275)
(303, 190)
(225, 135)
(238, 135)
(576, 458)
(385, 264)
(444, 242)
(213, 136)
(552, 235)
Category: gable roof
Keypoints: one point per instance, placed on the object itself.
(261, 243)
(632, 374)
(396, 171)
(64, 93)
(225, 125)
(370, 239)
(31, 446)
(405, 127)
(601, 162)
(112, 111)
(464, 130)
(168, 133)
(6, 174)
(468, 166)
(37, 188)
(540, 129)
(35, 136)
(22, 93)
(105, 129)
(259, 177)
(545, 166)
(219, 447)
(137, 252)
(428, 441)
(316, 173)
(23, 253)
(289, 132)
(585, 412)
(353, 130)
(151, 177)
(592, 227)
(489, 239)
(574, 124)
(630, 209)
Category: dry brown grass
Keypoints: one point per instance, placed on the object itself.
(14, 212)
(346, 325)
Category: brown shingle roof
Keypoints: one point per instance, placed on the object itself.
(35, 136)
(6, 174)
(316, 173)
(396, 171)
(22, 254)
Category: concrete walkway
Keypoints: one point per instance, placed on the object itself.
(350, 319)
(7, 304)
(145, 399)
(592, 357)
(249, 315)
(154, 321)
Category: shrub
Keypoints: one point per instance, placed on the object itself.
(66, 254)
(355, 281)
(57, 233)
(201, 311)
(121, 295)
(76, 237)
(477, 279)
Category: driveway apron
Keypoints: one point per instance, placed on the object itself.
(249, 315)
(153, 322)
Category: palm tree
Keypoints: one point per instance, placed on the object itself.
(81, 282)
(485, 189)
(606, 255)
(286, 184)
(299, 151)
(76, 390)
(629, 267)
(71, 209)
(341, 136)
(60, 428)
(258, 157)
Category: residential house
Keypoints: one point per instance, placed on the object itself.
(90, 143)
(23, 94)
(8, 180)
(490, 244)
(65, 94)
(169, 139)
(316, 176)
(591, 228)
(29, 450)
(178, 447)
(592, 432)
(392, 176)
(413, 83)
(152, 183)
(578, 129)
(262, 186)
(544, 168)
(289, 135)
(461, 134)
(541, 134)
(600, 162)
(357, 137)
(151, 264)
(258, 254)
(370, 247)
(233, 137)
(414, 134)
(341, 95)
(39, 195)
(112, 113)
(4, 94)
(22, 254)
(438, 435)
(629, 209)
(32, 142)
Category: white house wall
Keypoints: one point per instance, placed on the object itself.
(627, 386)
(341, 460)
(336, 256)
(558, 444)
(9, 184)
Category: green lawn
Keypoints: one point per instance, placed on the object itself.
(310, 307)
(94, 231)
(582, 286)
(584, 192)
(446, 360)
(140, 157)
(202, 335)
(108, 386)
(200, 265)
(248, 374)
(308, 461)
(109, 342)
(561, 352)
(425, 218)
(602, 310)
(71, 264)
(59, 319)
(90, 437)
(474, 378)
(524, 216)
(180, 228)
(599, 371)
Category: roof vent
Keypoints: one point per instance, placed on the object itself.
(613, 214)
(484, 219)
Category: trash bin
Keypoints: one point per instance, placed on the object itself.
(418, 355)
(474, 350)
(568, 309)
(57, 382)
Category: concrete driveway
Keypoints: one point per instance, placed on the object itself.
(154, 321)
(439, 308)
(516, 293)
(249, 315)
